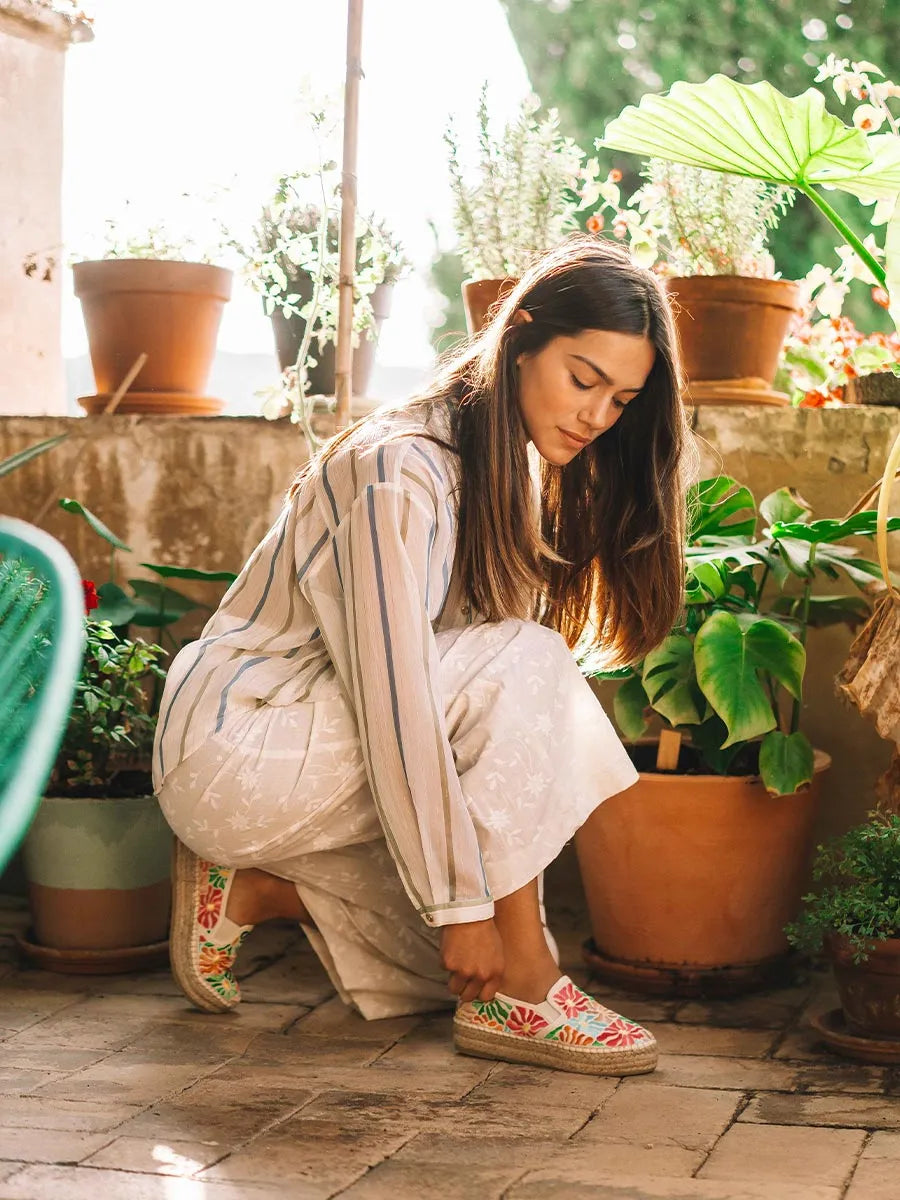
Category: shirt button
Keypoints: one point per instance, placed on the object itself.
(429, 918)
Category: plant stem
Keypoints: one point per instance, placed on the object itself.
(804, 628)
(846, 233)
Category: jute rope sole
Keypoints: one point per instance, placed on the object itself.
(482, 1043)
(183, 945)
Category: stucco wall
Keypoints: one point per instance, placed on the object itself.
(201, 492)
(32, 62)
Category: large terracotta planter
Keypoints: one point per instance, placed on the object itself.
(169, 310)
(98, 874)
(870, 990)
(690, 880)
(289, 331)
(731, 329)
(480, 296)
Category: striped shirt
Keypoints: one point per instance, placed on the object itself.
(347, 590)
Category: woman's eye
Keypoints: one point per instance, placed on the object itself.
(582, 387)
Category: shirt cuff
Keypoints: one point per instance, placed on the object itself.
(458, 914)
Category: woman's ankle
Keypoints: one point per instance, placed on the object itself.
(257, 896)
(530, 982)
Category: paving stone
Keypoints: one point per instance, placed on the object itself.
(547, 1185)
(21, 1007)
(120, 1077)
(517, 1083)
(297, 978)
(87, 1183)
(72, 1031)
(840, 1075)
(784, 1154)
(764, 1010)
(803, 1044)
(706, 1039)
(320, 1154)
(49, 1058)
(593, 1161)
(451, 1181)
(878, 1170)
(692, 1118)
(19, 1081)
(471, 1117)
(859, 1112)
(440, 1147)
(269, 942)
(147, 983)
(152, 1156)
(422, 1063)
(334, 1019)
(202, 1042)
(176, 1010)
(46, 1112)
(221, 1116)
(717, 1071)
(291, 1052)
(49, 1145)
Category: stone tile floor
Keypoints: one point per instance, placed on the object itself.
(115, 1087)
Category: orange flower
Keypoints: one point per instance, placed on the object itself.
(615, 175)
(595, 224)
(880, 296)
(574, 1037)
(214, 960)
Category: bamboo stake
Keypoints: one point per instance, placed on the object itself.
(343, 380)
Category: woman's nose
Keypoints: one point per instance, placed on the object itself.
(600, 414)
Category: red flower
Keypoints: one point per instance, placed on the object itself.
(571, 1000)
(880, 296)
(621, 1033)
(525, 1021)
(595, 224)
(91, 600)
(209, 905)
(615, 175)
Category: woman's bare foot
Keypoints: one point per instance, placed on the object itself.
(257, 896)
(530, 981)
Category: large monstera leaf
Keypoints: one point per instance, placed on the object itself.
(744, 129)
(729, 654)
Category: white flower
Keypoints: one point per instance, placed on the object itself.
(643, 253)
(884, 210)
(867, 67)
(829, 299)
(868, 118)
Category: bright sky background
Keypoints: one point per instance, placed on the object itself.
(187, 95)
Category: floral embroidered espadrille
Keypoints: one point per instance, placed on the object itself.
(203, 942)
(570, 1030)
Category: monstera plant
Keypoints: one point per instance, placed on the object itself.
(730, 677)
(755, 131)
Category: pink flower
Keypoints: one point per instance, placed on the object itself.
(621, 1033)
(525, 1021)
(571, 1000)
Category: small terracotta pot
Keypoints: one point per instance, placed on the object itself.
(731, 329)
(688, 875)
(169, 310)
(479, 298)
(870, 990)
(98, 874)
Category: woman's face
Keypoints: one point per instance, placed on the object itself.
(576, 388)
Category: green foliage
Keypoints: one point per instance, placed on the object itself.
(111, 725)
(860, 896)
(24, 456)
(730, 672)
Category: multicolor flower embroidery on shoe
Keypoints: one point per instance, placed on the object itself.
(215, 960)
(568, 1015)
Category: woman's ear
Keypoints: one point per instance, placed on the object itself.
(521, 315)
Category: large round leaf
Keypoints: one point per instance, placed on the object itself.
(729, 653)
(743, 129)
(629, 705)
(670, 682)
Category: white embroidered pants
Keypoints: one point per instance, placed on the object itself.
(285, 790)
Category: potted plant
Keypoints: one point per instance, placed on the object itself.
(707, 234)
(283, 259)
(96, 857)
(157, 295)
(691, 875)
(855, 914)
(521, 201)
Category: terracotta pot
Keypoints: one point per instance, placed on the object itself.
(870, 990)
(169, 310)
(289, 331)
(480, 296)
(690, 875)
(731, 329)
(98, 873)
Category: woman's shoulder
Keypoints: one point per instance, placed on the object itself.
(412, 444)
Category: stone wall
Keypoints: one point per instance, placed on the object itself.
(33, 41)
(201, 492)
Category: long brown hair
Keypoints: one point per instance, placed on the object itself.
(606, 566)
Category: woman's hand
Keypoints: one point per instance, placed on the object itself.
(473, 954)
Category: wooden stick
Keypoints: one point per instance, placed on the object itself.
(669, 750)
(343, 375)
(126, 383)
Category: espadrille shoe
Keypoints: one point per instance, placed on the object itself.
(203, 942)
(570, 1030)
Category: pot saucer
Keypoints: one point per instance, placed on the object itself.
(95, 962)
(154, 403)
(832, 1028)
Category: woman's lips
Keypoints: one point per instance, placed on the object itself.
(574, 438)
